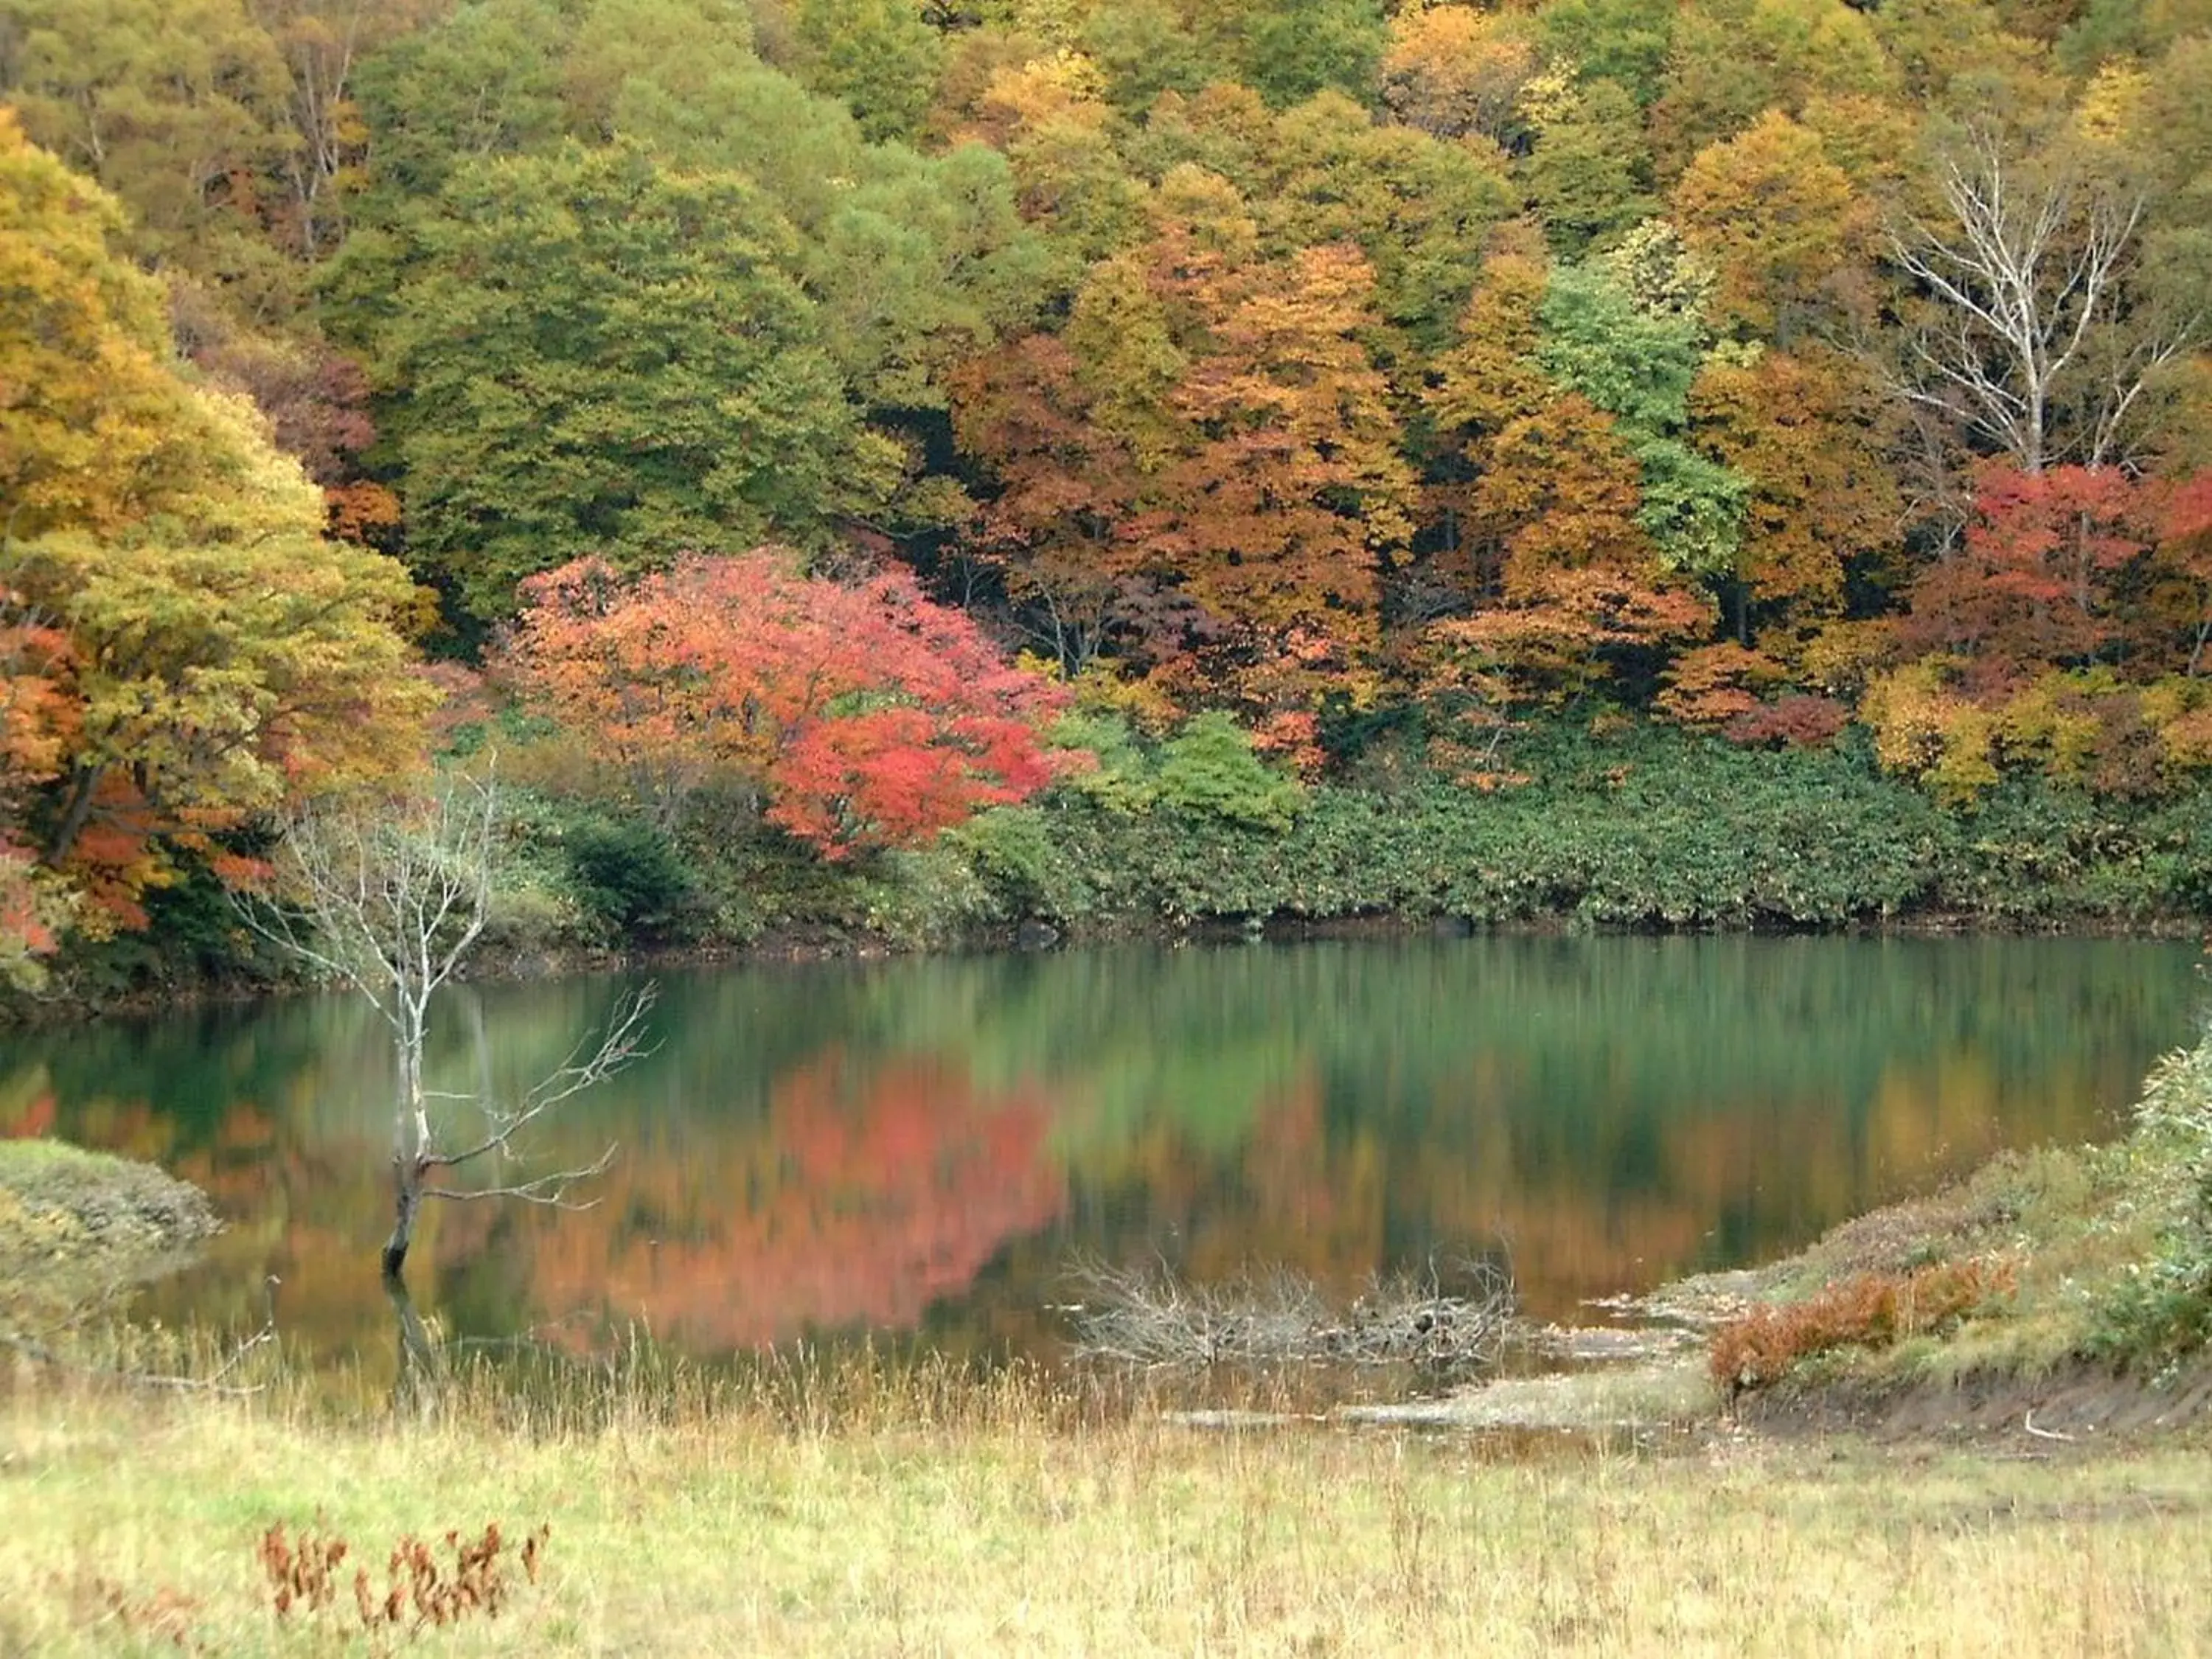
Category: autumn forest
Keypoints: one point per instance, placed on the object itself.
(921, 466)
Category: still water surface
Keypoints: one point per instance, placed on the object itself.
(921, 1147)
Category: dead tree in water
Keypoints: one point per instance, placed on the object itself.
(388, 897)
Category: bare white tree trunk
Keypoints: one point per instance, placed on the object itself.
(388, 898)
(2022, 278)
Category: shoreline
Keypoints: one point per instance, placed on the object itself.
(825, 943)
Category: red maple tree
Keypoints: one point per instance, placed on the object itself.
(870, 717)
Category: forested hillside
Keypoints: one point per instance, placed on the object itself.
(1362, 415)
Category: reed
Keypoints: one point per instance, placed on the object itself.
(870, 1503)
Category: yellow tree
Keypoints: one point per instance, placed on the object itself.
(205, 654)
(1780, 222)
(1822, 504)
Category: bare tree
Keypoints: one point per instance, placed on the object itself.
(2026, 281)
(388, 898)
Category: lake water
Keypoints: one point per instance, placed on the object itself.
(922, 1147)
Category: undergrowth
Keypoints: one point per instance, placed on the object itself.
(1867, 1310)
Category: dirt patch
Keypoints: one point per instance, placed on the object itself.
(2082, 1406)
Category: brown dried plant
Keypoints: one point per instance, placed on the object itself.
(1867, 1310)
(424, 1588)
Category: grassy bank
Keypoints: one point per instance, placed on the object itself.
(903, 1518)
(2088, 1266)
(1637, 828)
(77, 1225)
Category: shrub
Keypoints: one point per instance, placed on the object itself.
(629, 875)
(2162, 1310)
(1867, 1310)
(1210, 767)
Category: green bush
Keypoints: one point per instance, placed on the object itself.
(2162, 1310)
(1209, 767)
(629, 875)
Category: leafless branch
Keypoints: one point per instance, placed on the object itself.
(2024, 273)
(550, 1189)
(623, 1043)
(1152, 1318)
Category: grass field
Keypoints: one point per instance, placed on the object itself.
(874, 1513)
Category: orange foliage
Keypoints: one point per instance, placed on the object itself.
(1560, 639)
(1276, 523)
(1869, 1310)
(1717, 683)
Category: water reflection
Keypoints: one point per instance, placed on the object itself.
(920, 1145)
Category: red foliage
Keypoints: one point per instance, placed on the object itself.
(872, 717)
(1796, 720)
(2032, 586)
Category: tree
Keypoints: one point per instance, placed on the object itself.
(2033, 340)
(179, 107)
(1278, 519)
(1821, 507)
(1451, 70)
(600, 355)
(2181, 572)
(1417, 207)
(1067, 485)
(2031, 588)
(199, 654)
(387, 897)
(878, 55)
(1778, 220)
(869, 716)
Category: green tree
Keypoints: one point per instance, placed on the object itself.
(599, 355)
(876, 55)
(179, 107)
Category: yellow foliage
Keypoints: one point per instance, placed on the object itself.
(2111, 109)
(2053, 718)
(1839, 656)
(1924, 726)
(1146, 704)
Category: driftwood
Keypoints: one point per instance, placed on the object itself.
(1446, 1322)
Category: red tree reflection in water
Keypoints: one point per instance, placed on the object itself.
(867, 1192)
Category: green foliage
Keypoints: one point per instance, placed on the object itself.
(574, 385)
(1209, 769)
(1624, 42)
(1123, 780)
(1692, 508)
(1587, 177)
(1296, 48)
(2162, 1310)
(630, 876)
(1635, 363)
(878, 55)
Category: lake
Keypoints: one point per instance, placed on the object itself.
(922, 1147)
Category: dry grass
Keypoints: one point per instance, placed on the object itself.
(860, 1510)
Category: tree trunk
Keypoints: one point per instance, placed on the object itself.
(418, 1386)
(407, 1200)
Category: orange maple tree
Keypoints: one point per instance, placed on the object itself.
(870, 717)
(2032, 586)
(1279, 517)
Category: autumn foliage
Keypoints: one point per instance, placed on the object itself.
(1868, 1310)
(869, 716)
